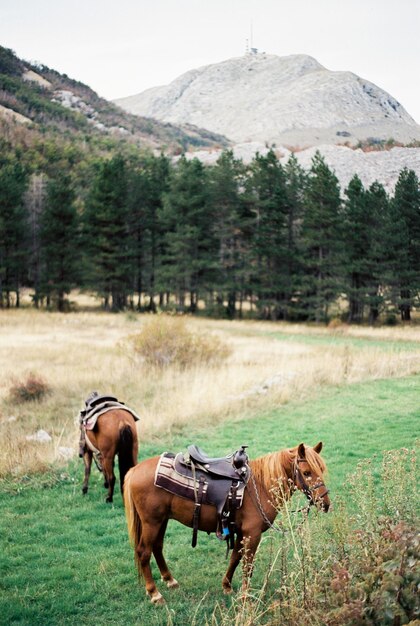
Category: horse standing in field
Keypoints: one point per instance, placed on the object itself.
(149, 507)
(108, 428)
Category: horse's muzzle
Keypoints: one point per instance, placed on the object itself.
(322, 500)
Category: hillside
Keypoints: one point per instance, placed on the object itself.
(50, 118)
(38, 103)
(291, 101)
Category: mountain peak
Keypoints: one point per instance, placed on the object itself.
(292, 100)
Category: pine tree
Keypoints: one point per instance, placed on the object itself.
(296, 181)
(186, 223)
(231, 219)
(267, 188)
(147, 183)
(157, 173)
(357, 236)
(35, 197)
(322, 240)
(138, 197)
(60, 244)
(13, 230)
(377, 212)
(107, 239)
(404, 243)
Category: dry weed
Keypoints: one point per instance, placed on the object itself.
(166, 341)
(28, 389)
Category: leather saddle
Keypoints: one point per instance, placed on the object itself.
(233, 466)
(220, 482)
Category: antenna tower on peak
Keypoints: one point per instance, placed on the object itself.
(249, 47)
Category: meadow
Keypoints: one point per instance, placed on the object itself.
(66, 559)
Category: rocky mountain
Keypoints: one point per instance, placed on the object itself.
(292, 101)
(296, 104)
(36, 101)
(42, 110)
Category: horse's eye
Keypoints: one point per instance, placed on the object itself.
(307, 474)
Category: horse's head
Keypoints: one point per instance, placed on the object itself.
(308, 475)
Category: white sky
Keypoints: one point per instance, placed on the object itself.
(121, 47)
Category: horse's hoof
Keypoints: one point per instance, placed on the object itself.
(226, 586)
(172, 584)
(84, 490)
(108, 499)
(157, 598)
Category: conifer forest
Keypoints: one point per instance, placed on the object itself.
(262, 240)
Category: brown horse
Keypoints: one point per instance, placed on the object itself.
(115, 433)
(148, 509)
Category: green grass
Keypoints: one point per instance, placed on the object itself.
(388, 345)
(353, 421)
(65, 559)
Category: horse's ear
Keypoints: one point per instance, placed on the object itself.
(318, 447)
(301, 451)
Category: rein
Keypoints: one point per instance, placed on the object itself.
(257, 503)
(298, 481)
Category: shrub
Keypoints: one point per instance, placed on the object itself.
(356, 566)
(336, 324)
(391, 319)
(166, 341)
(33, 387)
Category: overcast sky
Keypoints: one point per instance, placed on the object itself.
(121, 47)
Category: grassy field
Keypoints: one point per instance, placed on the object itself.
(269, 364)
(66, 559)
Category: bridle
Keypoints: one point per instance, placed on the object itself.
(300, 483)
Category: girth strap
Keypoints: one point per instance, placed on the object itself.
(231, 517)
(97, 455)
(197, 510)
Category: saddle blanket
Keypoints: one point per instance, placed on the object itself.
(175, 476)
(89, 419)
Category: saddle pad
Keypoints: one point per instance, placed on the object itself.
(89, 420)
(167, 477)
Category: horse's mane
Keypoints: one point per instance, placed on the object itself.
(274, 467)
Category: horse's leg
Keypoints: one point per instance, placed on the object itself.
(250, 545)
(108, 470)
(149, 536)
(166, 575)
(87, 459)
(235, 557)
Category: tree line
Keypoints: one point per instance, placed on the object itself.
(264, 239)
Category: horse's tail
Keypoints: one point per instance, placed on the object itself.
(125, 452)
(132, 517)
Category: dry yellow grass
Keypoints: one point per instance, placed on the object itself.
(80, 352)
